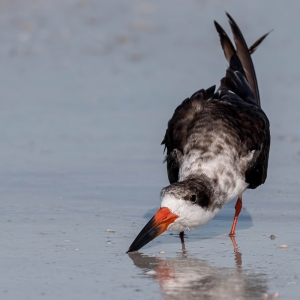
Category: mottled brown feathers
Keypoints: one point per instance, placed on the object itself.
(233, 114)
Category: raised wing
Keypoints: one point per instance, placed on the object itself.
(227, 45)
(240, 79)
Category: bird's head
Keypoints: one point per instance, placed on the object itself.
(185, 205)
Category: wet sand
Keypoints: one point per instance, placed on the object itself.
(87, 88)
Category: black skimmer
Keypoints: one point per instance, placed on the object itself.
(217, 147)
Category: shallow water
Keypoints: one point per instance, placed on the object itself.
(87, 88)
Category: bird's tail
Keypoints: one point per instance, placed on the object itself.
(240, 60)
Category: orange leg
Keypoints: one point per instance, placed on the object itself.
(238, 208)
(181, 234)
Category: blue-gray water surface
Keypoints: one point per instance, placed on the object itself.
(87, 88)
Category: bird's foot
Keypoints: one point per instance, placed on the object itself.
(234, 243)
(181, 235)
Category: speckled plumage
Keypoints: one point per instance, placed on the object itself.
(217, 146)
(220, 140)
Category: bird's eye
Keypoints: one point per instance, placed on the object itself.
(193, 198)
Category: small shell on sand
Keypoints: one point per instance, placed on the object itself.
(272, 237)
(271, 296)
(111, 230)
(283, 246)
(151, 272)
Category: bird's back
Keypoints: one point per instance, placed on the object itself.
(223, 135)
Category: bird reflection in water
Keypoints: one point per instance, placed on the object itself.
(186, 277)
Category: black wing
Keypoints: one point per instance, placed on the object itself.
(227, 45)
(249, 123)
(245, 58)
(176, 133)
(254, 127)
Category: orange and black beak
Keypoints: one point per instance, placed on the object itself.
(156, 226)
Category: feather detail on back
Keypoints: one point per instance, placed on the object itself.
(176, 133)
(233, 113)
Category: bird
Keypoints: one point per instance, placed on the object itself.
(217, 146)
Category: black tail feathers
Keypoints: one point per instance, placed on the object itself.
(240, 62)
